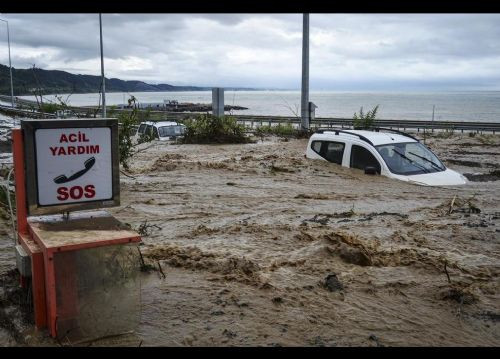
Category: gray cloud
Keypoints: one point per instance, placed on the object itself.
(264, 50)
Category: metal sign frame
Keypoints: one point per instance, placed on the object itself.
(29, 128)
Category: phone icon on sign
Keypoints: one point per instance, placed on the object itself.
(88, 165)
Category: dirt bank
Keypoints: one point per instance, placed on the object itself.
(261, 246)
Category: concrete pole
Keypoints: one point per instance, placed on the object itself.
(10, 65)
(218, 101)
(102, 73)
(304, 101)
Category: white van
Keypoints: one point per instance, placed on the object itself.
(390, 153)
(163, 130)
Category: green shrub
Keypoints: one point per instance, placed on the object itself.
(486, 139)
(213, 129)
(365, 121)
(50, 107)
(145, 137)
(281, 130)
(447, 133)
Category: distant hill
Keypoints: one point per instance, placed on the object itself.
(58, 82)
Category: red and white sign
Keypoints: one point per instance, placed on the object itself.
(73, 165)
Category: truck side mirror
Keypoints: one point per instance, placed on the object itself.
(370, 170)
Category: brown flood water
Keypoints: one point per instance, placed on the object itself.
(247, 234)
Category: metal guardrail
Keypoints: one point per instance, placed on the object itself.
(26, 113)
(253, 121)
(412, 124)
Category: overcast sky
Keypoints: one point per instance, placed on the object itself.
(347, 51)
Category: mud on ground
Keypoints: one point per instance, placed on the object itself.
(260, 246)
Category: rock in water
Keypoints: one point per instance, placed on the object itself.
(354, 256)
(332, 283)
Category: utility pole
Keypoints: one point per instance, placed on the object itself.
(102, 73)
(304, 101)
(10, 65)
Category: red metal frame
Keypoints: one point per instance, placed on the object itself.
(37, 269)
(50, 276)
(38, 279)
(42, 255)
(20, 180)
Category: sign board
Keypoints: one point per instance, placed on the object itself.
(71, 164)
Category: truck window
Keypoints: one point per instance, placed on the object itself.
(167, 131)
(334, 151)
(330, 151)
(142, 128)
(155, 133)
(362, 158)
(316, 146)
(179, 130)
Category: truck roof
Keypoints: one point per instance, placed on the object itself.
(376, 138)
(166, 123)
(160, 123)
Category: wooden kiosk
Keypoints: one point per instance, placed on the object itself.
(84, 265)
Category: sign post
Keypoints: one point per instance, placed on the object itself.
(72, 165)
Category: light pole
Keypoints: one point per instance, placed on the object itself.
(102, 73)
(305, 115)
(10, 64)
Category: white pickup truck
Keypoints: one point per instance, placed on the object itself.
(163, 130)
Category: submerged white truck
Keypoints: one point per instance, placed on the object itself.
(162, 130)
(382, 151)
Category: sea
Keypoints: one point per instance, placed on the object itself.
(483, 106)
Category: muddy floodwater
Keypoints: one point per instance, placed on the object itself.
(258, 245)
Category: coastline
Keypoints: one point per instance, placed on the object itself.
(449, 106)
